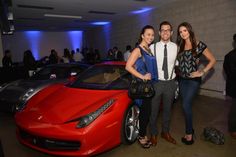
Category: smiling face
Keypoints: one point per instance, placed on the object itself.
(148, 36)
(184, 33)
(165, 32)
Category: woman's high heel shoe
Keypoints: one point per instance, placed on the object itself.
(188, 142)
(144, 142)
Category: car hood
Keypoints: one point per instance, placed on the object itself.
(14, 90)
(31, 83)
(66, 104)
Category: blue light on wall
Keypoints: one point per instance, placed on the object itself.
(143, 10)
(107, 34)
(34, 39)
(144, 16)
(76, 38)
(100, 23)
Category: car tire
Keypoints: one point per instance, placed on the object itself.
(130, 125)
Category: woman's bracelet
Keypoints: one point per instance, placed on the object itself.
(203, 72)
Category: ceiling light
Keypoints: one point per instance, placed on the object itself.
(141, 10)
(100, 23)
(63, 16)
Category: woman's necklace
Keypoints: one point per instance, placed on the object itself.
(148, 50)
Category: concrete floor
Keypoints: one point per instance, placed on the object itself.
(207, 112)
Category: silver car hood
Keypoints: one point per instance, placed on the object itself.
(14, 90)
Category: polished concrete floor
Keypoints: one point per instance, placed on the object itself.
(207, 112)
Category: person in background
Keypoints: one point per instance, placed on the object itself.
(97, 57)
(72, 53)
(190, 50)
(229, 66)
(90, 56)
(53, 58)
(127, 52)
(166, 52)
(66, 58)
(118, 56)
(78, 57)
(110, 55)
(144, 70)
(29, 60)
(84, 52)
(6, 60)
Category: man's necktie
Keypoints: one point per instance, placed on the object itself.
(165, 65)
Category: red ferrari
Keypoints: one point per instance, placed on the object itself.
(89, 116)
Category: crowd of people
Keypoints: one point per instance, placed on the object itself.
(87, 55)
(25, 68)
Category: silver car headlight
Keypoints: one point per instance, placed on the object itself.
(86, 120)
(24, 98)
(27, 95)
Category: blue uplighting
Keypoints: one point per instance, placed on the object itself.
(76, 38)
(107, 35)
(100, 23)
(34, 39)
(33, 32)
(141, 10)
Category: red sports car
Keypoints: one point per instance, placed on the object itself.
(84, 118)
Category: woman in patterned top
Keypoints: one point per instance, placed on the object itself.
(190, 76)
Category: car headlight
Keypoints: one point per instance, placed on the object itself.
(27, 95)
(24, 98)
(86, 120)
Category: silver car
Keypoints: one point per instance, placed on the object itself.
(14, 95)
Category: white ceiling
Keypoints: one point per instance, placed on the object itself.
(32, 18)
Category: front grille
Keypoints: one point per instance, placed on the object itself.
(50, 144)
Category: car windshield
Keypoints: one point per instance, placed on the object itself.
(103, 77)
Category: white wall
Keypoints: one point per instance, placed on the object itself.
(214, 22)
(40, 43)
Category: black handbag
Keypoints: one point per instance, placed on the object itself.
(213, 135)
(141, 89)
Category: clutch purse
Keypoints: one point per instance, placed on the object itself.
(141, 89)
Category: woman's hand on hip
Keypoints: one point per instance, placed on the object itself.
(198, 73)
(147, 76)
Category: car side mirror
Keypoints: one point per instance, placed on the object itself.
(73, 73)
(53, 76)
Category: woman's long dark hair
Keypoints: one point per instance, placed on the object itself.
(181, 42)
(143, 31)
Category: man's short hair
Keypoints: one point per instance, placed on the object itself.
(165, 23)
(234, 37)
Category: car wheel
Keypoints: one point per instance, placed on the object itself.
(130, 126)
